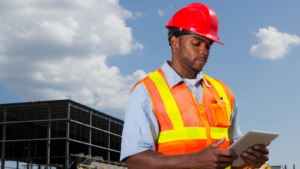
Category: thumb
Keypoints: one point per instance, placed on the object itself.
(218, 142)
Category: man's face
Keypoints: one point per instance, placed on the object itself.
(193, 52)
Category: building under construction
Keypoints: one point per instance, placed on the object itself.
(57, 134)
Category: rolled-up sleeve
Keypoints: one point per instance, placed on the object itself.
(234, 131)
(140, 125)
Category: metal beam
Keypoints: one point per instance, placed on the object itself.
(104, 148)
(90, 134)
(95, 128)
(28, 152)
(48, 134)
(116, 121)
(61, 138)
(3, 139)
(60, 102)
(30, 104)
(108, 141)
(81, 108)
(68, 136)
(28, 121)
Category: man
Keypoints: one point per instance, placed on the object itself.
(177, 117)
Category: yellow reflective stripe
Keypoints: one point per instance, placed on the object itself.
(221, 93)
(168, 99)
(229, 167)
(182, 134)
(218, 132)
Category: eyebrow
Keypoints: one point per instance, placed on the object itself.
(202, 39)
(198, 38)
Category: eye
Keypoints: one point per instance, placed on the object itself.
(196, 43)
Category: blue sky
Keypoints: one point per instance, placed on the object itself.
(93, 53)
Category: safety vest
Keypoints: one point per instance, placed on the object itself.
(184, 125)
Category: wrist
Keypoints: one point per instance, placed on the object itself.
(183, 161)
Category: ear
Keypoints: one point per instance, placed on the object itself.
(174, 42)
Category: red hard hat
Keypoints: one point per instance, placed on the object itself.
(197, 18)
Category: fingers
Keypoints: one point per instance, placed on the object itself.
(255, 158)
(252, 163)
(260, 158)
(262, 149)
(227, 153)
(223, 159)
(258, 153)
(223, 162)
(217, 143)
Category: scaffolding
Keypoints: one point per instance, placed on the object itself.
(82, 161)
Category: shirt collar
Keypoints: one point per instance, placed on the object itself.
(173, 78)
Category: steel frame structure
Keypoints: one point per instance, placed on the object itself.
(69, 104)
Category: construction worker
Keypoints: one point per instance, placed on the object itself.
(178, 117)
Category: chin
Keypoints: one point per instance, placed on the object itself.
(198, 67)
(197, 70)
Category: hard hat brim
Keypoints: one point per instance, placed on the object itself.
(194, 32)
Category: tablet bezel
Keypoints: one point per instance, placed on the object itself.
(250, 139)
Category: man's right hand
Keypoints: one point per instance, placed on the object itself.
(211, 157)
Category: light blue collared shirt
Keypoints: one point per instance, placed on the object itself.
(141, 127)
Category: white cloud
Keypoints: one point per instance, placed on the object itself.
(274, 44)
(171, 6)
(57, 49)
(161, 13)
(58, 32)
(138, 14)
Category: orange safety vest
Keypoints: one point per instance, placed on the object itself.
(184, 125)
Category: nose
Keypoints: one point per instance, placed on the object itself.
(204, 49)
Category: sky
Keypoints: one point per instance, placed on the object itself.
(94, 51)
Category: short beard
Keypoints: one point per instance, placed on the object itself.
(185, 60)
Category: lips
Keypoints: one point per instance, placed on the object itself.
(203, 61)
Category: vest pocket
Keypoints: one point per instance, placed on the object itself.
(219, 115)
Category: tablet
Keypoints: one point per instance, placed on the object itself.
(250, 139)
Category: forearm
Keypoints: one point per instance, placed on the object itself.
(207, 158)
(151, 159)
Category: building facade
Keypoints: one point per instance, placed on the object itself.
(47, 132)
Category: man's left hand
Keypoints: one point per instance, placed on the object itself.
(256, 156)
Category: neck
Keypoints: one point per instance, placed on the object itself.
(184, 72)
